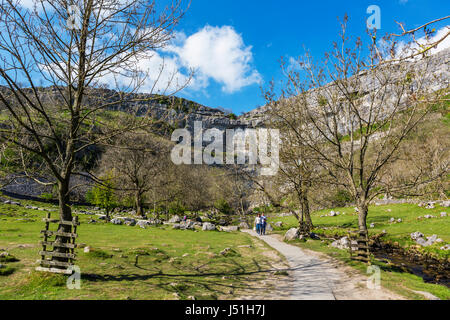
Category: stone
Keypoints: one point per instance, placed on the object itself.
(175, 219)
(143, 223)
(87, 249)
(416, 235)
(187, 225)
(332, 214)
(432, 239)
(207, 226)
(176, 226)
(445, 204)
(422, 242)
(392, 220)
(269, 228)
(372, 225)
(244, 225)
(399, 220)
(428, 216)
(292, 234)
(229, 229)
(443, 214)
(446, 247)
(117, 221)
(278, 224)
(102, 217)
(430, 205)
(343, 243)
(130, 223)
(191, 298)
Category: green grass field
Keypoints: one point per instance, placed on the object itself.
(185, 263)
(393, 278)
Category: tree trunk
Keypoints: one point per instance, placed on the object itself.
(65, 214)
(138, 200)
(362, 216)
(306, 224)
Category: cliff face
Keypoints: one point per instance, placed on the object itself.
(183, 113)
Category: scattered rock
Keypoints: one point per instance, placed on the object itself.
(229, 229)
(399, 221)
(443, 214)
(87, 249)
(343, 243)
(445, 204)
(372, 225)
(208, 227)
(416, 235)
(430, 205)
(446, 247)
(244, 225)
(269, 228)
(292, 234)
(175, 219)
(187, 225)
(143, 224)
(429, 216)
(176, 226)
(117, 221)
(191, 298)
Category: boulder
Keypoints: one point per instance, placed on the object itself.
(187, 225)
(143, 223)
(117, 221)
(372, 225)
(443, 214)
(445, 204)
(175, 219)
(269, 227)
(446, 247)
(229, 229)
(399, 220)
(292, 234)
(244, 225)
(422, 242)
(343, 243)
(208, 227)
(129, 222)
(333, 214)
(416, 235)
(176, 226)
(102, 217)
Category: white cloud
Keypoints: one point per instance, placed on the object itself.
(213, 53)
(217, 53)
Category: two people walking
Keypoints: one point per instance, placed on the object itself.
(260, 224)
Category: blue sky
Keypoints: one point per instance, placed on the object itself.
(261, 31)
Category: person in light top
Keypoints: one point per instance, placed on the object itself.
(258, 224)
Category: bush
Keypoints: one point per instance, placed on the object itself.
(223, 206)
(341, 198)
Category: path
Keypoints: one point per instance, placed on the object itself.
(315, 277)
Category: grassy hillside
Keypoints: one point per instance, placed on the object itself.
(185, 263)
(392, 277)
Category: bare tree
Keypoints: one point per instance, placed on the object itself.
(77, 47)
(138, 168)
(359, 110)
